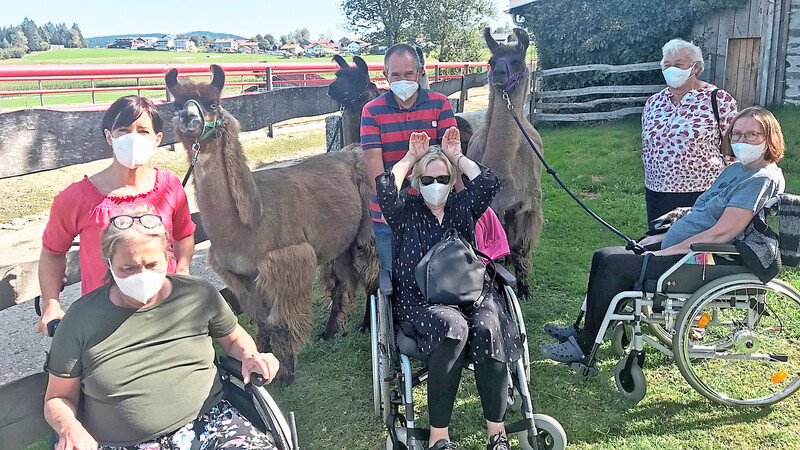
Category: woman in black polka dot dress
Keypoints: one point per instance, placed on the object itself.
(486, 335)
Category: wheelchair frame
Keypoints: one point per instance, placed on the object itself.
(671, 315)
(534, 430)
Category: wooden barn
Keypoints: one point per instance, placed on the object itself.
(754, 52)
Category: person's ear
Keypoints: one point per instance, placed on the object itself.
(108, 136)
(159, 137)
(386, 75)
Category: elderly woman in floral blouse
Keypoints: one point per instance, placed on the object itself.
(681, 137)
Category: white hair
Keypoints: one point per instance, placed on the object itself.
(676, 45)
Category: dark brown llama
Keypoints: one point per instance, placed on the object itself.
(271, 228)
(352, 89)
(499, 145)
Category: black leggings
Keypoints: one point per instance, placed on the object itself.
(444, 374)
(660, 203)
(614, 270)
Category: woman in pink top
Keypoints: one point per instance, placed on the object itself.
(133, 129)
(680, 136)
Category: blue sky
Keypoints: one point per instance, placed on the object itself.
(247, 18)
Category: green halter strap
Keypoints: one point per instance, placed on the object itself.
(209, 128)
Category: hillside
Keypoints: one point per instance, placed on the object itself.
(102, 41)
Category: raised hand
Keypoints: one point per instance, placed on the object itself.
(418, 145)
(451, 144)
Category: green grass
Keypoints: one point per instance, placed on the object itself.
(332, 395)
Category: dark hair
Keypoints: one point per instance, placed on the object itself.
(128, 109)
(400, 48)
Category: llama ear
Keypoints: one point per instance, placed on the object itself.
(522, 39)
(420, 55)
(171, 79)
(219, 77)
(487, 36)
(361, 65)
(339, 60)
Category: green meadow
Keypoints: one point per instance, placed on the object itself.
(332, 394)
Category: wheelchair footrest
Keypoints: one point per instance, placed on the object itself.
(584, 370)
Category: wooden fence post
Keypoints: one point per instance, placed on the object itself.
(463, 96)
(466, 91)
(41, 96)
(437, 73)
(531, 116)
(270, 86)
(93, 92)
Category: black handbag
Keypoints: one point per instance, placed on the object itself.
(451, 273)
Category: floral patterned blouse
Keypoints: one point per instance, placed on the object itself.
(681, 144)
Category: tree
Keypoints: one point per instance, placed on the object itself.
(31, 32)
(388, 22)
(452, 26)
(384, 21)
(303, 34)
(271, 39)
(285, 39)
(18, 39)
(77, 37)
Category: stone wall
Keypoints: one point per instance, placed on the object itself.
(792, 93)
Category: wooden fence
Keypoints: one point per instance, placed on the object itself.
(549, 106)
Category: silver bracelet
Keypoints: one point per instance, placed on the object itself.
(458, 161)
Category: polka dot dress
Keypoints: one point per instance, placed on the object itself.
(490, 331)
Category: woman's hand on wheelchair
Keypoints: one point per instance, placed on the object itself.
(264, 363)
(650, 240)
(75, 437)
(51, 310)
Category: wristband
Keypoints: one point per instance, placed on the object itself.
(458, 161)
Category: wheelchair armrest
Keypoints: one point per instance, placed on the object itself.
(234, 368)
(504, 277)
(714, 248)
(386, 282)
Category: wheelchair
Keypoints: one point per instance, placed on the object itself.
(734, 338)
(393, 379)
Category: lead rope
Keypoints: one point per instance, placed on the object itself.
(630, 244)
(196, 148)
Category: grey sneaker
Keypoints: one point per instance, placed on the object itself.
(566, 352)
(561, 332)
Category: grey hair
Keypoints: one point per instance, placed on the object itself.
(434, 153)
(398, 49)
(111, 237)
(676, 45)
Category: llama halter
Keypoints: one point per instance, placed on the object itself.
(211, 126)
(513, 78)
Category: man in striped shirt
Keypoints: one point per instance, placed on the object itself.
(388, 121)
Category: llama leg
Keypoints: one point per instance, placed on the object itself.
(285, 278)
(237, 288)
(345, 280)
(520, 239)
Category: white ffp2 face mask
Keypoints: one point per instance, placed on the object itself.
(435, 193)
(404, 89)
(141, 286)
(132, 150)
(747, 153)
(676, 77)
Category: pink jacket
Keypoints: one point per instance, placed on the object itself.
(490, 236)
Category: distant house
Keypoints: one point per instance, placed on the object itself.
(56, 47)
(230, 45)
(323, 47)
(293, 49)
(150, 40)
(165, 42)
(131, 43)
(185, 45)
(247, 46)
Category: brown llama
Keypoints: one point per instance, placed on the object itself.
(499, 145)
(271, 228)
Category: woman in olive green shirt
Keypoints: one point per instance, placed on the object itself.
(138, 350)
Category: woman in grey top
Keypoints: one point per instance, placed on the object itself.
(719, 215)
(136, 355)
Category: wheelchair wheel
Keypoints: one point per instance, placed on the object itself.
(376, 372)
(621, 339)
(630, 381)
(738, 341)
(550, 434)
(385, 360)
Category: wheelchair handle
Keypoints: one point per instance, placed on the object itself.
(258, 380)
(51, 327)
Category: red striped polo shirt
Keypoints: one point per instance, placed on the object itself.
(388, 126)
